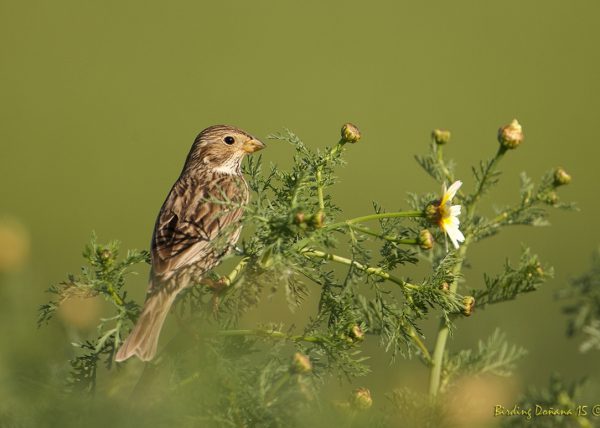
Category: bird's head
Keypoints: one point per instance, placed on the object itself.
(221, 148)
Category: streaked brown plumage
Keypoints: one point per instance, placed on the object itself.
(198, 224)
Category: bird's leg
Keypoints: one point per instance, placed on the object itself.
(217, 286)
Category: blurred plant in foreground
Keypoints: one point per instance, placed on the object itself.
(270, 374)
(14, 245)
(583, 308)
(583, 311)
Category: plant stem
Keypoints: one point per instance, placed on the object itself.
(319, 172)
(319, 177)
(407, 241)
(237, 270)
(440, 158)
(377, 216)
(270, 333)
(444, 329)
(367, 269)
(115, 296)
(499, 154)
(415, 337)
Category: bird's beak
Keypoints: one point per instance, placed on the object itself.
(253, 145)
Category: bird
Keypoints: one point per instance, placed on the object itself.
(198, 224)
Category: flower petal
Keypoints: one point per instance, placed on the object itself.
(455, 235)
(455, 210)
(451, 192)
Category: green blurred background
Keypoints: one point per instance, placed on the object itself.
(100, 102)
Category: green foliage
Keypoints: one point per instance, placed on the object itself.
(558, 395)
(105, 276)
(410, 409)
(582, 306)
(525, 278)
(219, 371)
(493, 356)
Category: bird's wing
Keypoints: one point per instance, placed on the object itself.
(197, 222)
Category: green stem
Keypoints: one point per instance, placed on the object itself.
(485, 177)
(415, 337)
(406, 241)
(367, 269)
(270, 333)
(362, 219)
(444, 330)
(319, 177)
(440, 158)
(319, 172)
(115, 296)
(237, 270)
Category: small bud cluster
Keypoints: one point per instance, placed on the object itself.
(561, 177)
(310, 221)
(350, 133)
(361, 399)
(357, 333)
(440, 137)
(425, 240)
(511, 136)
(300, 364)
(469, 305)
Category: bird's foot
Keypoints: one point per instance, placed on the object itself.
(218, 287)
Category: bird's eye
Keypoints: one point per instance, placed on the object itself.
(229, 140)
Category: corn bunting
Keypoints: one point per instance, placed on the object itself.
(198, 224)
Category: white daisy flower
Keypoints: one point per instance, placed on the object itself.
(447, 215)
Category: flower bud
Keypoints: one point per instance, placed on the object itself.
(444, 286)
(432, 212)
(551, 198)
(511, 136)
(469, 302)
(357, 334)
(361, 399)
(561, 177)
(425, 240)
(300, 364)
(350, 133)
(105, 254)
(440, 136)
(318, 220)
(299, 218)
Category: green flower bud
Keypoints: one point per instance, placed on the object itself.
(539, 270)
(469, 302)
(357, 334)
(318, 220)
(301, 364)
(361, 399)
(425, 240)
(511, 136)
(440, 136)
(432, 212)
(105, 254)
(551, 198)
(300, 220)
(350, 133)
(561, 177)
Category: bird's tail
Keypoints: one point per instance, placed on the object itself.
(143, 339)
